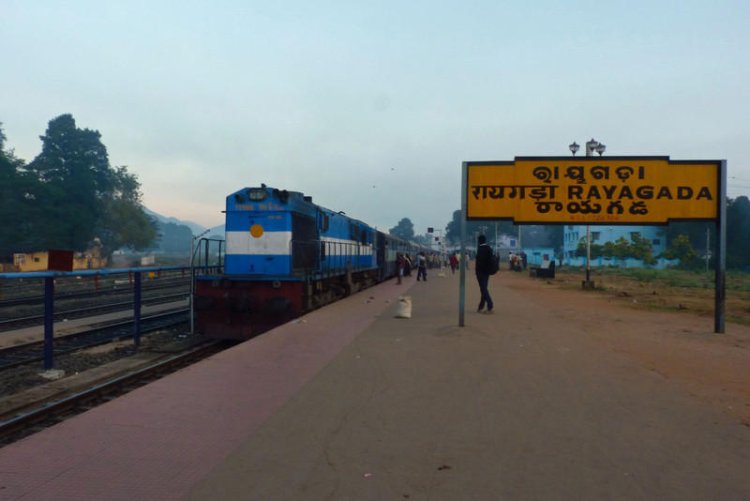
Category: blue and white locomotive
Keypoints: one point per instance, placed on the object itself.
(286, 256)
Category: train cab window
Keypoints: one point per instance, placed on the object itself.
(323, 221)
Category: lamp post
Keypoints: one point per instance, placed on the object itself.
(591, 146)
(440, 241)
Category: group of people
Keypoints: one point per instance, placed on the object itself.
(518, 261)
(483, 269)
(404, 265)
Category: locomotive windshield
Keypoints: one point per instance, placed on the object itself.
(257, 194)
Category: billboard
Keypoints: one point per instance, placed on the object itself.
(593, 190)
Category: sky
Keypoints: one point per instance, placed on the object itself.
(371, 107)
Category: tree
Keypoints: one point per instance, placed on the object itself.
(404, 229)
(175, 238)
(681, 248)
(22, 206)
(695, 232)
(597, 250)
(86, 198)
(123, 222)
(637, 247)
(738, 233)
(75, 162)
(453, 229)
(641, 248)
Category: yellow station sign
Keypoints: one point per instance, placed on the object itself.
(591, 190)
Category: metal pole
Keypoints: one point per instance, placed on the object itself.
(590, 147)
(137, 309)
(588, 254)
(49, 322)
(708, 247)
(192, 287)
(721, 251)
(462, 261)
(519, 238)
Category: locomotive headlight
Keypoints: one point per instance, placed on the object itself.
(256, 230)
(257, 194)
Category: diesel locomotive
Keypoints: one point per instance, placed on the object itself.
(285, 256)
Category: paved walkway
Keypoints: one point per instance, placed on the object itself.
(516, 405)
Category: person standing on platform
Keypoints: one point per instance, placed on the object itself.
(454, 262)
(400, 266)
(483, 267)
(421, 266)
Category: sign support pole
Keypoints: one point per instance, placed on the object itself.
(463, 261)
(721, 254)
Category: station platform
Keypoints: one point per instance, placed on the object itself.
(351, 403)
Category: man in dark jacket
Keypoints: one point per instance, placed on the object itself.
(483, 269)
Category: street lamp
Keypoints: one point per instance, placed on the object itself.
(591, 146)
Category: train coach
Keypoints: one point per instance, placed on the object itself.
(285, 256)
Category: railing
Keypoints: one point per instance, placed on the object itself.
(47, 280)
(202, 258)
(207, 253)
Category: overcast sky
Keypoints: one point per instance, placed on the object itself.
(370, 107)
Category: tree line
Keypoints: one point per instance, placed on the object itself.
(691, 243)
(69, 196)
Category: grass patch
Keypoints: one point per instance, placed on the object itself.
(668, 290)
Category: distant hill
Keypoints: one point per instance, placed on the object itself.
(195, 228)
(175, 234)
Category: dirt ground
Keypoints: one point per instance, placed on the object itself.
(627, 315)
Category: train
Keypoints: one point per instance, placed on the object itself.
(285, 256)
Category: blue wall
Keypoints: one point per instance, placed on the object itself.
(602, 234)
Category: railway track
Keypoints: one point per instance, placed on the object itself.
(31, 320)
(14, 356)
(87, 292)
(45, 414)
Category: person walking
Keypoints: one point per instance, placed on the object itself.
(483, 267)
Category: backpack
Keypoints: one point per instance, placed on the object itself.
(494, 263)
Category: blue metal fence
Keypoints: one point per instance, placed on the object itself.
(134, 277)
